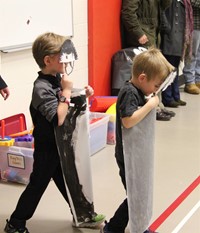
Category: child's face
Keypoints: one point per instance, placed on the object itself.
(54, 66)
(150, 86)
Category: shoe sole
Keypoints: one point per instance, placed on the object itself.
(88, 224)
(192, 93)
(16, 231)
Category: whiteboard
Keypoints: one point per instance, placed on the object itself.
(21, 21)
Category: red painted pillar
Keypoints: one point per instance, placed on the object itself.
(103, 41)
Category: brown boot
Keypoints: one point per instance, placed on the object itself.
(198, 85)
(192, 89)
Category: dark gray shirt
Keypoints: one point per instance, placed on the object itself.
(43, 107)
(129, 99)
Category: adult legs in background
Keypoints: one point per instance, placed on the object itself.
(163, 114)
(171, 96)
(191, 70)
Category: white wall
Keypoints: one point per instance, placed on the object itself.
(19, 69)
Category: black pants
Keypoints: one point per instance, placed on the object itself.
(172, 92)
(46, 166)
(120, 219)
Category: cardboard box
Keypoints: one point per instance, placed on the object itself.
(16, 163)
(98, 131)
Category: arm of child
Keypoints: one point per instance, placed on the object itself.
(89, 91)
(62, 109)
(140, 114)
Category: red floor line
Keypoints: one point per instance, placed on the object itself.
(174, 205)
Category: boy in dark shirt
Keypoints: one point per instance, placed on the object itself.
(49, 108)
(135, 119)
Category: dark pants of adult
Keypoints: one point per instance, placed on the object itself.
(119, 221)
(46, 166)
(172, 92)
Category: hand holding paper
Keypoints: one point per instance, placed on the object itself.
(170, 78)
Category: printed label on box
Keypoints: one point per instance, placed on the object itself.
(16, 161)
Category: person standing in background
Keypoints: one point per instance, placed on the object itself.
(191, 70)
(140, 27)
(176, 42)
(4, 90)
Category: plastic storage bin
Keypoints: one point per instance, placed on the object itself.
(24, 141)
(16, 163)
(111, 136)
(98, 131)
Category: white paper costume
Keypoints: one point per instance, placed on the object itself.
(138, 143)
(72, 139)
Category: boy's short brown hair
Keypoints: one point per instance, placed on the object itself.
(152, 63)
(46, 44)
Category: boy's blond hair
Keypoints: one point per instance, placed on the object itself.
(46, 44)
(152, 63)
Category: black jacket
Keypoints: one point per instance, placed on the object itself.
(141, 17)
(2, 83)
(172, 41)
(43, 107)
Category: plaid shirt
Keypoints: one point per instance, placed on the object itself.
(196, 13)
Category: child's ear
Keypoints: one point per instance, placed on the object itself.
(47, 60)
(142, 77)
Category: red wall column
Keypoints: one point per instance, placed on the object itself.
(103, 41)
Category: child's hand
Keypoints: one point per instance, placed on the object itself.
(143, 39)
(89, 91)
(153, 101)
(5, 93)
(66, 83)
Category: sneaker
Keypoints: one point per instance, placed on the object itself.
(172, 104)
(105, 229)
(181, 102)
(96, 221)
(161, 116)
(192, 89)
(11, 229)
(198, 85)
(168, 112)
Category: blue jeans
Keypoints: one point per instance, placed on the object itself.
(191, 71)
(172, 92)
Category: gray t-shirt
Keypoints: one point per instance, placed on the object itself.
(129, 99)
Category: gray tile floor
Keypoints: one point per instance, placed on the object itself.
(177, 165)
